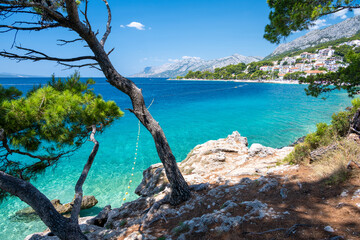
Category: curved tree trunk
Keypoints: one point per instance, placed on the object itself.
(59, 225)
(179, 188)
(180, 191)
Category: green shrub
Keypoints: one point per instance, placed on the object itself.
(324, 135)
(341, 123)
(300, 153)
(321, 137)
(355, 103)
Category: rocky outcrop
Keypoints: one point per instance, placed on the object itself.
(87, 202)
(318, 153)
(216, 161)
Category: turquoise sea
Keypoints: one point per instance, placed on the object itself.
(191, 113)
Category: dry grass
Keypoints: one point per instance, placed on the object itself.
(332, 166)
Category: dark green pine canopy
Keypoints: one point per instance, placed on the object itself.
(49, 122)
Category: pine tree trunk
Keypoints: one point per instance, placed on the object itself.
(179, 188)
(59, 225)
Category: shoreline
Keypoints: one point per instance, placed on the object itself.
(238, 80)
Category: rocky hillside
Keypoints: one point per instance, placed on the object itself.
(238, 192)
(182, 66)
(347, 28)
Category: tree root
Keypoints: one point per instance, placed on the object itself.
(288, 231)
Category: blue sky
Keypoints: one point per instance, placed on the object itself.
(150, 32)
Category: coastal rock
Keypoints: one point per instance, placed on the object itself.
(321, 151)
(271, 183)
(101, 218)
(87, 202)
(299, 140)
(329, 229)
(260, 151)
(153, 181)
(236, 138)
(223, 160)
(283, 193)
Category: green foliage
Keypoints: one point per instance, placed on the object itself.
(287, 16)
(180, 228)
(294, 76)
(320, 137)
(49, 122)
(9, 93)
(342, 50)
(300, 153)
(355, 105)
(324, 134)
(234, 72)
(340, 123)
(123, 223)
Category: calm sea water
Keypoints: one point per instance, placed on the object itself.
(190, 113)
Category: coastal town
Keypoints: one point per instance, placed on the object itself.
(306, 63)
(287, 69)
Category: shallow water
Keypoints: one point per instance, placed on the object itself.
(190, 113)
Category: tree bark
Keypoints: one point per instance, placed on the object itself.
(78, 187)
(59, 225)
(355, 123)
(179, 188)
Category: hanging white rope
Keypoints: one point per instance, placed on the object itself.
(135, 158)
(134, 163)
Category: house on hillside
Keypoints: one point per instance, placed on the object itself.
(266, 68)
(281, 75)
(313, 72)
(355, 43)
(294, 69)
(326, 52)
(305, 55)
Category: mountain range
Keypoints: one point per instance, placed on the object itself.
(344, 29)
(180, 67)
(13, 75)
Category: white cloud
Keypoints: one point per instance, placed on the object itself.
(340, 14)
(122, 26)
(136, 25)
(356, 11)
(318, 24)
